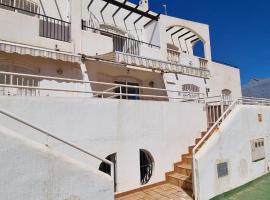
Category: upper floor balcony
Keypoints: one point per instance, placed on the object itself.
(185, 59)
(24, 22)
(114, 39)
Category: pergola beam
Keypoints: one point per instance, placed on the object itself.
(132, 9)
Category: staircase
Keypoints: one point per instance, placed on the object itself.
(181, 176)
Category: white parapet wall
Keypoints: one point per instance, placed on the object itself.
(31, 171)
(107, 126)
(232, 144)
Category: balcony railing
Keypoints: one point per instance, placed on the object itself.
(17, 84)
(49, 27)
(120, 43)
(23, 5)
(203, 62)
(52, 28)
(161, 65)
(173, 56)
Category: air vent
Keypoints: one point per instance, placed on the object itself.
(257, 150)
(222, 169)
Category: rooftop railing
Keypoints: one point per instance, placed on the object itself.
(17, 84)
(49, 27)
(121, 43)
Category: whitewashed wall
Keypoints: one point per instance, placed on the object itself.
(124, 127)
(224, 77)
(232, 144)
(31, 171)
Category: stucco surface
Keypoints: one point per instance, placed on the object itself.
(232, 144)
(124, 127)
(31, 171)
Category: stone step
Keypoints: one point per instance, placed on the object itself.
(185, 169)
(180, 180)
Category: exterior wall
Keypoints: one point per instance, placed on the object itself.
(124, 127)
(32, 171)
(110, 73)
(224, 77)
(201, 29)
(176, 81)
(232, 144)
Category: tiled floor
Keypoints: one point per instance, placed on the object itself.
(161, 192)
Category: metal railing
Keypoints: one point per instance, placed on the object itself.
(23, 5)
(212, 130)
(215, 106)
(173, 55)
(120, 43)
(54, 28)
(17, 84)
(49, 27)
(165, 66)
(57, 139)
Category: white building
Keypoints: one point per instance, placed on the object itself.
(124, 83)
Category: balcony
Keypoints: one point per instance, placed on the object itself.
(186, 59)
(154, 64)
(28, 19)
(117, 41)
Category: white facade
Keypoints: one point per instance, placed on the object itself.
(243, 126)
(69, 66)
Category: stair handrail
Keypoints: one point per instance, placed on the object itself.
(241, 100)
(18, 119)
(204, 138)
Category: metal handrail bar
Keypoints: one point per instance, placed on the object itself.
(117, 35)
(107, 90)
(10, 115)
(101, 92)
(95, 82)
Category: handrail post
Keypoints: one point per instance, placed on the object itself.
(120, 88)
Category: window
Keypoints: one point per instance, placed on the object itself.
(146, 166)
(130, 93)
(190, 88)
(106, 168)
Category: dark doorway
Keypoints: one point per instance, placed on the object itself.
(106, 168)
(125, 89)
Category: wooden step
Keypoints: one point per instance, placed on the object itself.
(190, 148)
(187, 159)
(197, 140)
(203, 133)
(180, 180)
(185, 169)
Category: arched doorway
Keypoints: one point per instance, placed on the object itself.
(106, 168)
(146, 166)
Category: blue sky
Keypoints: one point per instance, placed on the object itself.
(239, 30)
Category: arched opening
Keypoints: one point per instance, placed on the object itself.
(186, 40)
(226, 97)
(106, 168)
(198, 49)
(226, 92)
(190, 88)
(146, 166)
